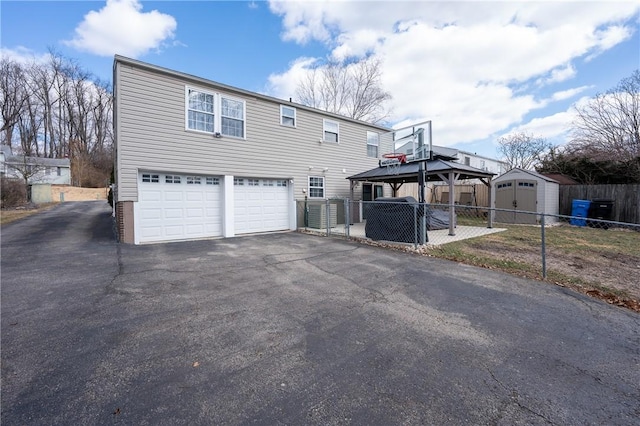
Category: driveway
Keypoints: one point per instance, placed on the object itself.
(293, 329)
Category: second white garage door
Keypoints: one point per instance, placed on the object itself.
(261, 205)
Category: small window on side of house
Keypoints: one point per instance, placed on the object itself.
(331, 131)
(373, 140)
(287, 116)
(316, 187)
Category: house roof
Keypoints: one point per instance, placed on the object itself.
(505, 176)
(408, 172)
(200, 80)
(10, 159)
(560, 178)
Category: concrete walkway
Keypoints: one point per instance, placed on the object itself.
(436, 238)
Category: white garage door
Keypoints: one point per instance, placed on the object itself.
(178, 207)
(261, 205)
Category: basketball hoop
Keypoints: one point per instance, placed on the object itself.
(392, 162)
(401, 157)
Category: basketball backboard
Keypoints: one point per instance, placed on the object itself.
(414, 141)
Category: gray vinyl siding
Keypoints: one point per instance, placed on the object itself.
(151, 136)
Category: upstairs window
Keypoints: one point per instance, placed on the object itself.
(200, 109)
(331, 131)
(213, 113)
(232, 117)
(373, 140)
(287, 116)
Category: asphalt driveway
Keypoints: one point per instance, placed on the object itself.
(293, 329)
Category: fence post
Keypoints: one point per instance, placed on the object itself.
(328, 216)
(415, 226)
(544, 257)
(347, 217)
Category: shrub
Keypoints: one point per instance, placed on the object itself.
(12, 193)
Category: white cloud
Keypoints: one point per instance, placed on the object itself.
(122, 28)
(549, 127)
(569, 93)
(23, 55)
(473, 68)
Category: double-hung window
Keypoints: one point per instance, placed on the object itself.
(200, 111)
(316, 187)
(214, 113)
(331, 131)
(232, 114)
(287, 116)
(373, 140)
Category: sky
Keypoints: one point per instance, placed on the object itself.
(478, 70)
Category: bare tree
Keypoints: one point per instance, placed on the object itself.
(350, 89)
(12, 97)
(608, 125)
(522, 150)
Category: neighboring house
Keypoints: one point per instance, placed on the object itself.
(487, 164)
(35, 169)
(199, 159)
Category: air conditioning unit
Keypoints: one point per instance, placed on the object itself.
(318, 216)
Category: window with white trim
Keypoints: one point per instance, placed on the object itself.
(171, 179)
(316, 187)
(331, 131)
(213, 181)
(267, 182)
(287, 116)
(214, 113)
(238, 181)
(282, 183)
(200, 111)
(253, 182)
(194, 180)
(232, 113)
(373, 140)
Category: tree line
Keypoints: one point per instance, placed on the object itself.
(57, 109)
(605, 140)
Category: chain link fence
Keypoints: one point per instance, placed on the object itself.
(522, 237)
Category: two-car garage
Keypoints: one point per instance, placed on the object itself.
(180, 207)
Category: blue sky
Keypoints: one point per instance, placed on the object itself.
(478, 70)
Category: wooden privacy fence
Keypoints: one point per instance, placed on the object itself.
(476, 195)
(626, 199)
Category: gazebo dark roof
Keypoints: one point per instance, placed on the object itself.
(408, 172)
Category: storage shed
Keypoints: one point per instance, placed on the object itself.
(523, 191)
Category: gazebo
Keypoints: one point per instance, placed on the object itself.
(434, 170)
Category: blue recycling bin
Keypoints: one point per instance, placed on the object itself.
(579, 211)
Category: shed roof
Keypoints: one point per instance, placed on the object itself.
(505, 176)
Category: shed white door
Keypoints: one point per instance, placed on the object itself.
(261, 205)
(178, 207)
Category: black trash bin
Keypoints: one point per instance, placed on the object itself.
(600, 209)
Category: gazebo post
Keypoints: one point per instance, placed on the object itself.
(490, 213)
(452, 200)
